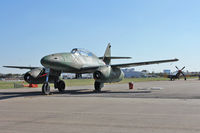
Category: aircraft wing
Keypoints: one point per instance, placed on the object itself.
(113, 57)
(143, 63)
(21, 67)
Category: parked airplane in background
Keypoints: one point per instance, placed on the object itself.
(177, 74)
(79, 61)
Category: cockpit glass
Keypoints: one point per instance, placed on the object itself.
(74, 51)
(82, 52)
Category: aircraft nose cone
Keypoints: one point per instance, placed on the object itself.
(45, 61)
(52, 61)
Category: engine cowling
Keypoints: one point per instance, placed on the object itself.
(38, 76)
(108, 75)
(35, 76)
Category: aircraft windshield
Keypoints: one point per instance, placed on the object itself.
(82, 52)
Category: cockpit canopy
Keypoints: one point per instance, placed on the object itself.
(84, 52)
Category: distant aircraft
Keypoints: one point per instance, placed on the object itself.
(79, 61)
(177, 74)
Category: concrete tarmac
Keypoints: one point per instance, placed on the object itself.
(153, 107)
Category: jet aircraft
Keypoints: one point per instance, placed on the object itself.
(79, 61)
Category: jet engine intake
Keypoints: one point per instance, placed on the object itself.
(108, 75)
(38, 76)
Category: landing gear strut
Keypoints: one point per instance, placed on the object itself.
(46, 87)
(98, 86)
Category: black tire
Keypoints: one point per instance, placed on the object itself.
(98, 86)
(46, 89)
(61, 86)
(56, 85)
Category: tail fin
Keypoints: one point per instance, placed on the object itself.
(107, 55)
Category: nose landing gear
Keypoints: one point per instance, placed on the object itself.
(46, 89)
(60, 84)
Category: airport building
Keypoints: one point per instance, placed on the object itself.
(166, 71)
(131, 73)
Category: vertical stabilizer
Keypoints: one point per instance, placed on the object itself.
(107, 55)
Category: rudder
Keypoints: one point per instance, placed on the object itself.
(107, 55)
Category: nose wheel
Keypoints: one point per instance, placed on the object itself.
(46, 89)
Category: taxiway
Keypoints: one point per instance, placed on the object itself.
(153, 107)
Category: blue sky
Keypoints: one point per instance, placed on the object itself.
(143, 29)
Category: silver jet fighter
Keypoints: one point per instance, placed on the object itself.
(79, 61)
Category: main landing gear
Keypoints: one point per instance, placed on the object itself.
(60, 84)
(98, 86)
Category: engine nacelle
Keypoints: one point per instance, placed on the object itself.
(108, 75)
(38, 76)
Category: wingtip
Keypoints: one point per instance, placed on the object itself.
(176, 59)
(7, 66)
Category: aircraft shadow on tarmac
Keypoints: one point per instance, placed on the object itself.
(87, 91)
(8, 95)
(81, 92)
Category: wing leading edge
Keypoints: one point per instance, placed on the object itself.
(92, 69)
(21, 67)
(143, 63)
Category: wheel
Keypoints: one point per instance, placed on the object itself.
(46, 89)
(98, 86)
(61, 86)
(56, 84)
